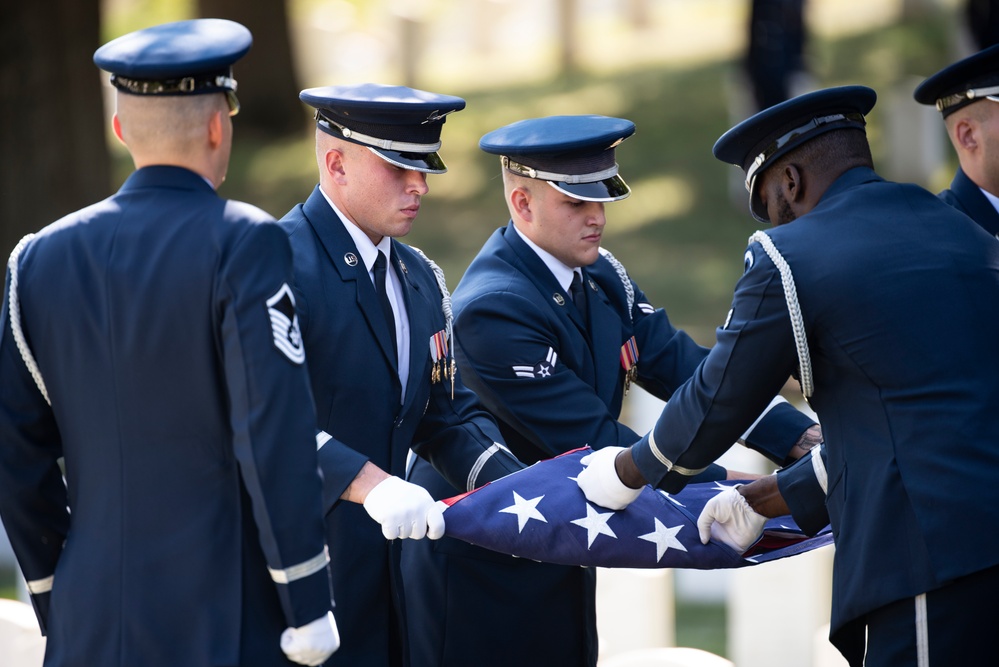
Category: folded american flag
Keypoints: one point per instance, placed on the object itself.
(540, 513)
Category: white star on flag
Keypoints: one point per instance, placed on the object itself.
(595, 524)
(525, 510)
(663, 538)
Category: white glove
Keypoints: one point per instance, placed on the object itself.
(729, 519)
(600, 483)
(404, 510)
(312, 643)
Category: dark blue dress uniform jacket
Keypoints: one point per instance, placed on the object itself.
(356, 389)
(898, 295)
(189, 457)
(510, 311)
(799, 484)
(967, 197)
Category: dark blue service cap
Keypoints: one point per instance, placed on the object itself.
(757, 142)
(966, 81)
(182, 58)
(575, 154)
(402, 125)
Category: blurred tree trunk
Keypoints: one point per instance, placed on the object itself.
(409, 49)
(268, 83)
(567, 13)
(52, 133)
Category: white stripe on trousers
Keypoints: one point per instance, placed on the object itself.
(922, 633)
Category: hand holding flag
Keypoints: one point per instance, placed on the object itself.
(728, 518)
(541, 513)
(600, 483)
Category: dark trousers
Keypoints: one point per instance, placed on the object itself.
(956, 624)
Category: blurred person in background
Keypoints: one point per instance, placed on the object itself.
(776, 51)
(982, 20)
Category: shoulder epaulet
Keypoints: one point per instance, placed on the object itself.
(629, 289)
(14, 306)
(793, 309)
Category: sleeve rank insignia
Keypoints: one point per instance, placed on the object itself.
(543, 369)
(284, 324)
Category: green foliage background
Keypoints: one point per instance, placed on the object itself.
(683, 231)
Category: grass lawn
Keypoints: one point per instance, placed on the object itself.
(701, 625)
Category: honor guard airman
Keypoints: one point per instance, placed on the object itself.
(880, 299)
(966, 94)
(551, 332)
(151, 342)
(376, 321)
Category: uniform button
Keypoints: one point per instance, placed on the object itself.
(398, 422)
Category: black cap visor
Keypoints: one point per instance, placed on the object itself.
(428, 163)
(608, 189)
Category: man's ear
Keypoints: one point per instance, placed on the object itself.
(215, 134)
(966, 134)
(520, 203)
(116, 125)
(792, 184)
(336, 165)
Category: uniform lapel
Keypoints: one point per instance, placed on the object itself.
(419, 310)
(346, 260)
(606, 333)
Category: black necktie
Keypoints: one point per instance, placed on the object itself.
(577, 294)
(379, 273)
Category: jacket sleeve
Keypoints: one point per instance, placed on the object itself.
(511, 357)
(461, 440)
(669, 357)
(272, 418)
(753, 357)
(803, 487)
(33, 499)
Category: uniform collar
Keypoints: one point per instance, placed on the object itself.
(365, 248)
(169, 176)
(992, 198)
(563, 274)
(849, 179)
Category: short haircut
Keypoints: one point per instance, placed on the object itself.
(847, 147)
(166, 122)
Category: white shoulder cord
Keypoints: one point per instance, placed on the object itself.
(629, 289)
(793, 309)
(14, 306)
